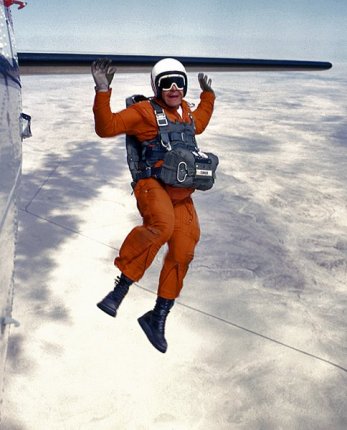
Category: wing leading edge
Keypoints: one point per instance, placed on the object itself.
(37, 63)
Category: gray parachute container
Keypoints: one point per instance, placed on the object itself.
(133, 146)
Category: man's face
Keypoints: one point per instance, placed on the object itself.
(172, 97)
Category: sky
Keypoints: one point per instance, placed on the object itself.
(296, 29)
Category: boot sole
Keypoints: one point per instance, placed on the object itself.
(148, 332)
(107, 310)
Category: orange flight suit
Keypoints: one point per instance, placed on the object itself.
(168, 213)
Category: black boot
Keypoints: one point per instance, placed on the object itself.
(112, 301)
(153, 323)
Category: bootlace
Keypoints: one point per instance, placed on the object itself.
(159, 321)
(120, 289)
(160, 313)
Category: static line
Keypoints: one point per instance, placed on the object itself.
(293, 348)
(254, 332)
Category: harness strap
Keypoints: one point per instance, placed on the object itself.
(163, 125)
(141, 161)
(166, 133)
(148, 172)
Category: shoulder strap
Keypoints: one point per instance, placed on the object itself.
(134, 99)
(162, 123)
(160, 114)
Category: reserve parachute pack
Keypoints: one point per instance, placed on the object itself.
(184, 165)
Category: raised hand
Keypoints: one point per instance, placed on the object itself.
(205, 82)
(103, 72)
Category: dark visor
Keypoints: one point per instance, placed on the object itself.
(166, 82)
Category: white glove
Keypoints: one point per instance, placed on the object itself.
(103, 72)
(205, 83)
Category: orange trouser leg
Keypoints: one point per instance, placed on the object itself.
(143, 242)
(181, 249)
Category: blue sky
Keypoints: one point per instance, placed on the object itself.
(298, 29)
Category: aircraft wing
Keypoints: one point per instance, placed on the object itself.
(41, 63)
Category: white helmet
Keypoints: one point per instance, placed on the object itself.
(167, 66)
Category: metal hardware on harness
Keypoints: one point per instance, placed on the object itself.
(179, 171)
(167, 145)
(161, 119)
(147, 172)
